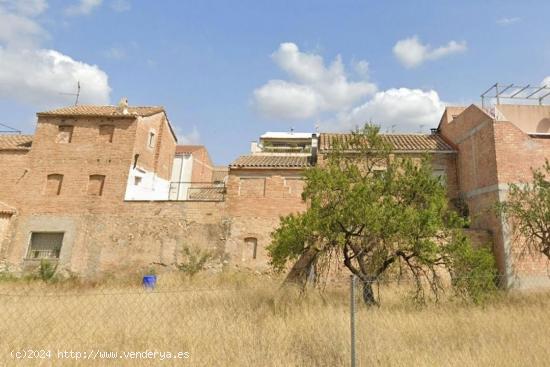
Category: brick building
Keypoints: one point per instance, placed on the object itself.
(88, 190)
(495, 148)
(93, 188)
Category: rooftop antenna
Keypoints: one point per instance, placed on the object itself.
(77, 94)
(9, 129)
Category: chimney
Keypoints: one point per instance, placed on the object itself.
(123, 106)
(314, 143)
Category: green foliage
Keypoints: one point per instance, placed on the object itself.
(46, 271)
(375, 211)
(528, 208)
(473, 270)
(194, 260)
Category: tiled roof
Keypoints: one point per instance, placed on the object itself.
(15, 142)
(271, 161)
(399, 142)
(6, 209)
(92, 110)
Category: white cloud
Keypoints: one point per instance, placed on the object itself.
(83, 7)
(411, 52)
(504, 21)
(192, 138)
(121, 5)
(314, 88)
(37, 76)
(17, 29)
(405, 109)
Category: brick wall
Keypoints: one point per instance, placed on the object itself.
(256, 198)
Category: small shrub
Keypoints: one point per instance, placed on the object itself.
(46, 271)
(194, 260)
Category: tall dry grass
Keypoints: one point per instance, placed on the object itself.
(238, 320)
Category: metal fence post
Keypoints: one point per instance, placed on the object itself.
(352, 318)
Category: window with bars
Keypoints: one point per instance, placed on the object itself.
(45, 245)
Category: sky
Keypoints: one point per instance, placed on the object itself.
(228, 71)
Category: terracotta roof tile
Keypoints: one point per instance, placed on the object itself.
(399, 142)
(6, 209)
(271, 161)
(15, 142)
(92, 110)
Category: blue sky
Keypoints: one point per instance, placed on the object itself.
(228, 71)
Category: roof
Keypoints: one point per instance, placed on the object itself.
(15, 142)
(93, 110)
(408, 143)
(6, 209)
(188, 148)
(271, 161)
(108, 111)
(285, 135)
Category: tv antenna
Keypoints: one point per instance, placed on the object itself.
(77, 94)
(9, 129)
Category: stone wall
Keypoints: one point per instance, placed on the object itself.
(141, 235)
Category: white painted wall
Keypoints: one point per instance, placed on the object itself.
(149, 187)
(181, 172)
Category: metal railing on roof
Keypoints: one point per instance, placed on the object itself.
(515, 92)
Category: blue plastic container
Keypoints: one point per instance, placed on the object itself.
(149, 281)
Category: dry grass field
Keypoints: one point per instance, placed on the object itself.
(237, 320)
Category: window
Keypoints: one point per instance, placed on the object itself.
(251, 246)
(53, 184)
(64, 134)
(95, 185)
(45, 245)
(106, 133)
(137, 180)
(151, 141)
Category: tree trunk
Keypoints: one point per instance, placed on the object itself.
(368, 294)
(302, 269)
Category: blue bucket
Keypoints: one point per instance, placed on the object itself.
(149, 281)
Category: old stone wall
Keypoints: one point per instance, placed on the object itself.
(141, 235)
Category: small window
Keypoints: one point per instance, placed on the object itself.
(151, 141)
(251, 246)
(65, 134)
(45, 245)
(53, 184)
(137, 180)
(106, 133)
(95, 185)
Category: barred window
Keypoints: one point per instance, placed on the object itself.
(45, 245)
